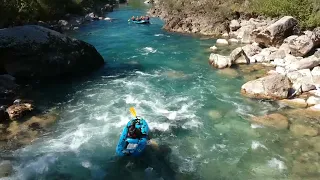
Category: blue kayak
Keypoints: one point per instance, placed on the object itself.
(133, 146)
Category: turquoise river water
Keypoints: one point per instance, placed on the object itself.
(197, 116)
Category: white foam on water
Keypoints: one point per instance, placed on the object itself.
(255, 126)
(257, 144)
(39, 165)
(148, 50)
(276, 163)
(157, 35)
(86, 164)
(159, 126)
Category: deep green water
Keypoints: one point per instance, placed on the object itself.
(167, 78)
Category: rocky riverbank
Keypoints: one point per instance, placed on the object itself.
(31, 54)
(281, 64)
(72, 21)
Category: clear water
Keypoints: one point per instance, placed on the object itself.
(197, 116)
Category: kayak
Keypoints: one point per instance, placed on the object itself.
(141, 22)
(128, 146)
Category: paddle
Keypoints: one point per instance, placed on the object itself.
(133, 112)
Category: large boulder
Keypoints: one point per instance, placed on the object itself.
(301, 45)
(36, 52)
(8, 89)
(275, 33)
(306, 63)
(242, 55)
(234, 25)
(270, 87)
(302, 80)
(219, 61)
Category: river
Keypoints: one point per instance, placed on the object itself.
(197, 116)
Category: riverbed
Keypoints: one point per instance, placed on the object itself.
(197, 115)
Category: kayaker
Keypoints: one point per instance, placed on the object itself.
(147, 18)
(132, 18)
(134, 132)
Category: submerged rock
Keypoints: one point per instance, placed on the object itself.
(35, 52)
(6, 169)
(303, 130)
(272, 120)
(294, 103)
(229, 72)
(270, 87)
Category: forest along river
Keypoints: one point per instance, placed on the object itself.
(197, 116)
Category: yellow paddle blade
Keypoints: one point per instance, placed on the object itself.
(133, 112)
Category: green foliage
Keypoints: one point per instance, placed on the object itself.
(15, 12)
(306, 11)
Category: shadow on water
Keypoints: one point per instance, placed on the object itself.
(154, 164)
(62, 88)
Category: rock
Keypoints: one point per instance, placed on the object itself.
(269, 87)
(272, 72)
(6, 169)
(214, 114)
(286, 48)
(233, 41)
(243, 55)
(275, 33)
(301, 45)
(229, 72)
(225, 35)
(4, 116)
(90, 17)
(234, 25)
(316, 71)
(219, 61)
(306, 63)
(263, 55)
(315, 107)
(251, 50)
(272, 120)
(222, 42)
(8, 89)
(289, 59)
(244, 33)
(303, 130)
(312, 100)
(34, 52)
(42, 121)
(17, 111)
(63, 22)
(279, 54)
(213, 48)
(301, 79)
(294, 103)
(281, 70)
(316, 32)
(238, 56)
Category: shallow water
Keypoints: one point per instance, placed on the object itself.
(197, 116)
